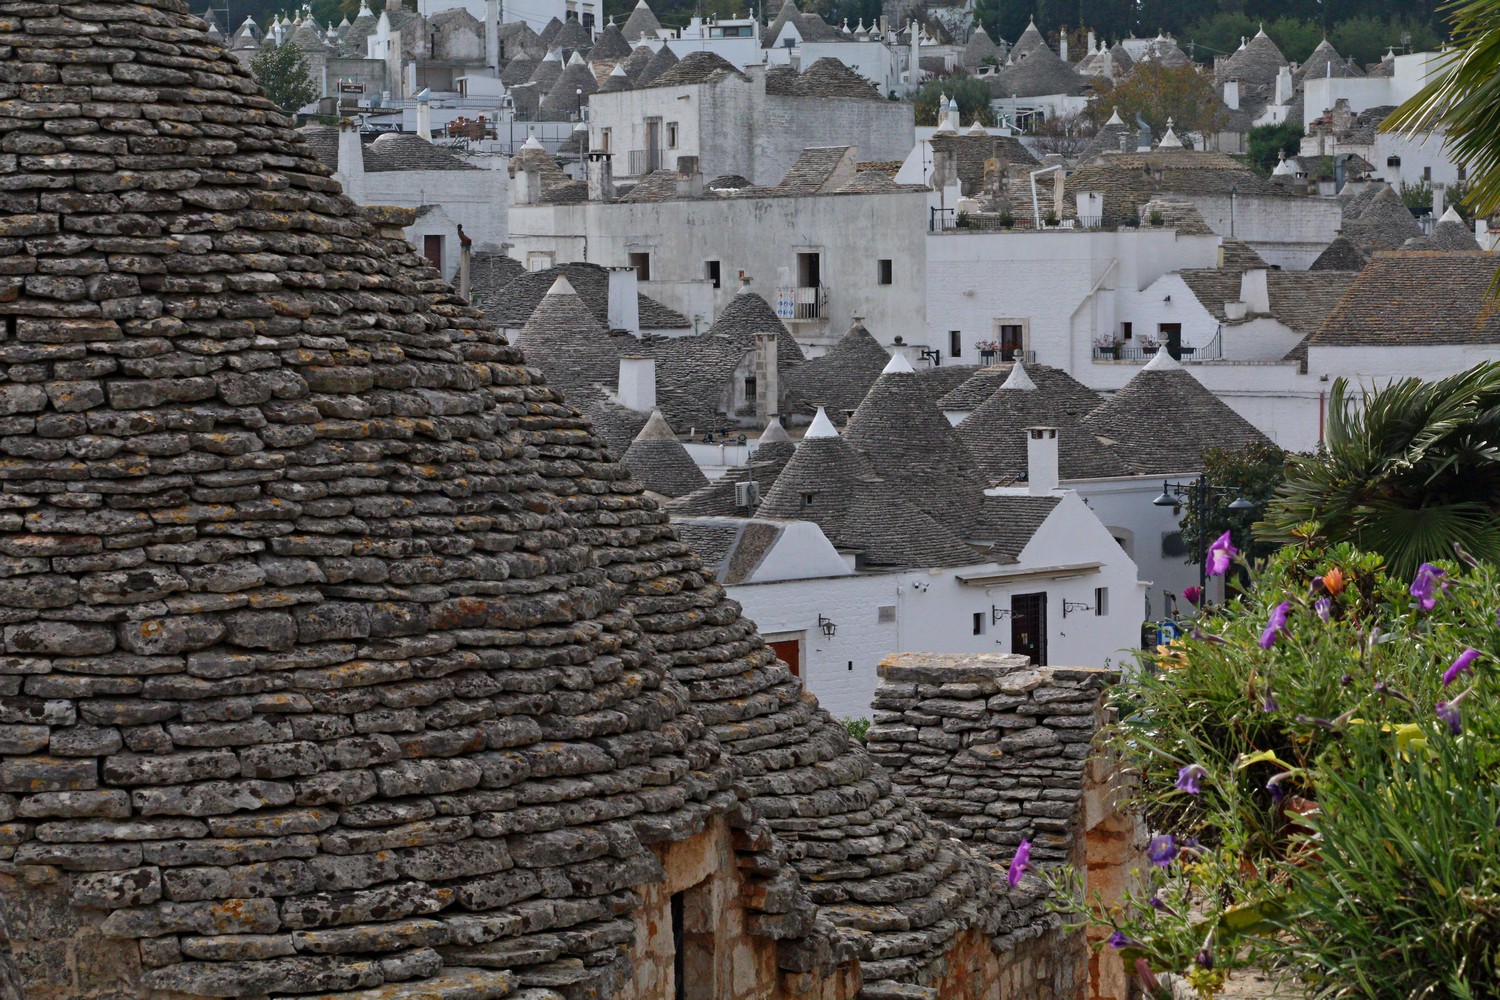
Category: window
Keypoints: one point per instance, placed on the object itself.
(749, 388)
(642, 264)
(885, 614)
(886, 271)
(711, 271)
(432, 249)
(671, 135)
(539, 260)
(955, 343)
(1126, 331)
(604, 140)
(807, 499)
(979, 623)
(1101, 601)
(1427, 173)
(1393, 161)
(809, 268)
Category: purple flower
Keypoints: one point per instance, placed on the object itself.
(1119, 940)
(1219, 555)
(1346, 680)
(1324, 608)
(1274, 786)
(1204, 958)
(1464, 664)
(1162, 850)
(1019, 863)
(1275, 625)
(1189, 777)
(1425, 584)
(1193, 594)
(1157, 904)
(1448, 712)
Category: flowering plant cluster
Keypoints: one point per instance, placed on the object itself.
(1319, 763)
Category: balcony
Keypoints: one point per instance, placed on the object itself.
(1212, 351)
(795, 304)
(642, 161)
(948, 220)
(1005, 355)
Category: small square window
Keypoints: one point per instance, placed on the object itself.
(886, 271)
(979, 623)
(1427, 173)
(711, 271)
(671, 135)
(604, 140)
(1126, 331)
(1101, 601)
(642, 264)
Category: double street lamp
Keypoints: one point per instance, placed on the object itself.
(1197, 495)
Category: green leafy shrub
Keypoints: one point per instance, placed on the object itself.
(1319, 760)
(858, 729)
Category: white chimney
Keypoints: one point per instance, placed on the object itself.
(1439, 201)
(624, 300)
(424, 116)
(1284, 90)
(1255, 292)
(1091, 40)
(492, 35)
(1062, 48)
(601, 177)
(351, 169)
(1041, 460)
(954, 122)
(1232, 94)
(638, 383)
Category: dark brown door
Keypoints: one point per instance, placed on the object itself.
(1011, 341)
(1171, 339)
(1028, 626)
(790, 652)
(432, 249)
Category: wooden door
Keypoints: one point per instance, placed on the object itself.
(1028, 626)
(789, 651)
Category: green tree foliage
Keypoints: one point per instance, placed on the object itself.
(282, 74)
(1367, 39)
(1409, 471)
(972, 94)
(1268, 140)
(1253, 473)
(1464, 99)
(1155, 92)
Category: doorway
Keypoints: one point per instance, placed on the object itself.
(653, 145)
(809, 269)
(1012, 341)
(789, 651)
(1028, 626)
(1171, 339)
(432, 249)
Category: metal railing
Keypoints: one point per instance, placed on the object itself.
(1212, 351)
(1006, 354)
(643, 161)
(948, 220)
(802, 304)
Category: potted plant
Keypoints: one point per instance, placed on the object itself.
(1133, 222)
(1156, 217)
(1106, 347)
(987, 351)
(962, 220)
(1050, 219)
(1150, 345)
(1007, 221)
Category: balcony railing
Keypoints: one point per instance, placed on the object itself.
(1212, 351)
(643, 161)
(802, 304)
(1007, 354)
(948, 220)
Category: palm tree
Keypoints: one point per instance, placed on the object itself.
(1408, 471)
(1463, 99)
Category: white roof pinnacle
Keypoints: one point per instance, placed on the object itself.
(898, 363)
(1163, 362)
(561, 287)
(821, 427)
(1018, 379)
(774, 432)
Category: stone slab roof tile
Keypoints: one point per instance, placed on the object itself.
(695, 68)
(1066, 392)
(840, 379)
(591, 282)
(659, 462)
(1014, 522)
(1416, 298)
(995, 435)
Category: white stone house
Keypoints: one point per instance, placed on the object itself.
(1068, 593)
(827, 244)
(752, 123)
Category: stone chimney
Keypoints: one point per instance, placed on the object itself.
(624, 300)
(1041, 460)
(351, 168)
(492, 35)
(1232, 94)
(1255, 292)
(1439, 201)
(1127, 141)
(1062, 47)
(689, 177)
(638, 383)
(601, 176)
(767, 384)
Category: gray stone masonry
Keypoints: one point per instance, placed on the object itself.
(990, 747)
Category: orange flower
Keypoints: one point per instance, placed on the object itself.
(1333, 581)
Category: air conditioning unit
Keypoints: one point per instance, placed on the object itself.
(746, 494)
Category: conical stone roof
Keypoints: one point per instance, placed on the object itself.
(1164, 419)
(636, 62)
(549, 32)
(641, 23)
(995, 434)
(573, 37)
(563, 100)
(1324, 61)
(616, 81)
(659, 462)
(979, 48)
(840, 379)
(661, 61)
(370, 665)
(610, 46)
(547, 72)
(1257, 62)
(912, 445)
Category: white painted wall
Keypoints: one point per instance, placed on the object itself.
(761, 237)
(934, 609)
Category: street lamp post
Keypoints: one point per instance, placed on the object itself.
(1197, 493)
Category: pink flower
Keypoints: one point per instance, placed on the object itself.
(1019, 863)
(1193, 594)
(1219, 555)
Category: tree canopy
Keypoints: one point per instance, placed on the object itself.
(282, 74)
(1155, 93)
(971, 93)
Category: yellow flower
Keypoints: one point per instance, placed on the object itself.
(1172, 655)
